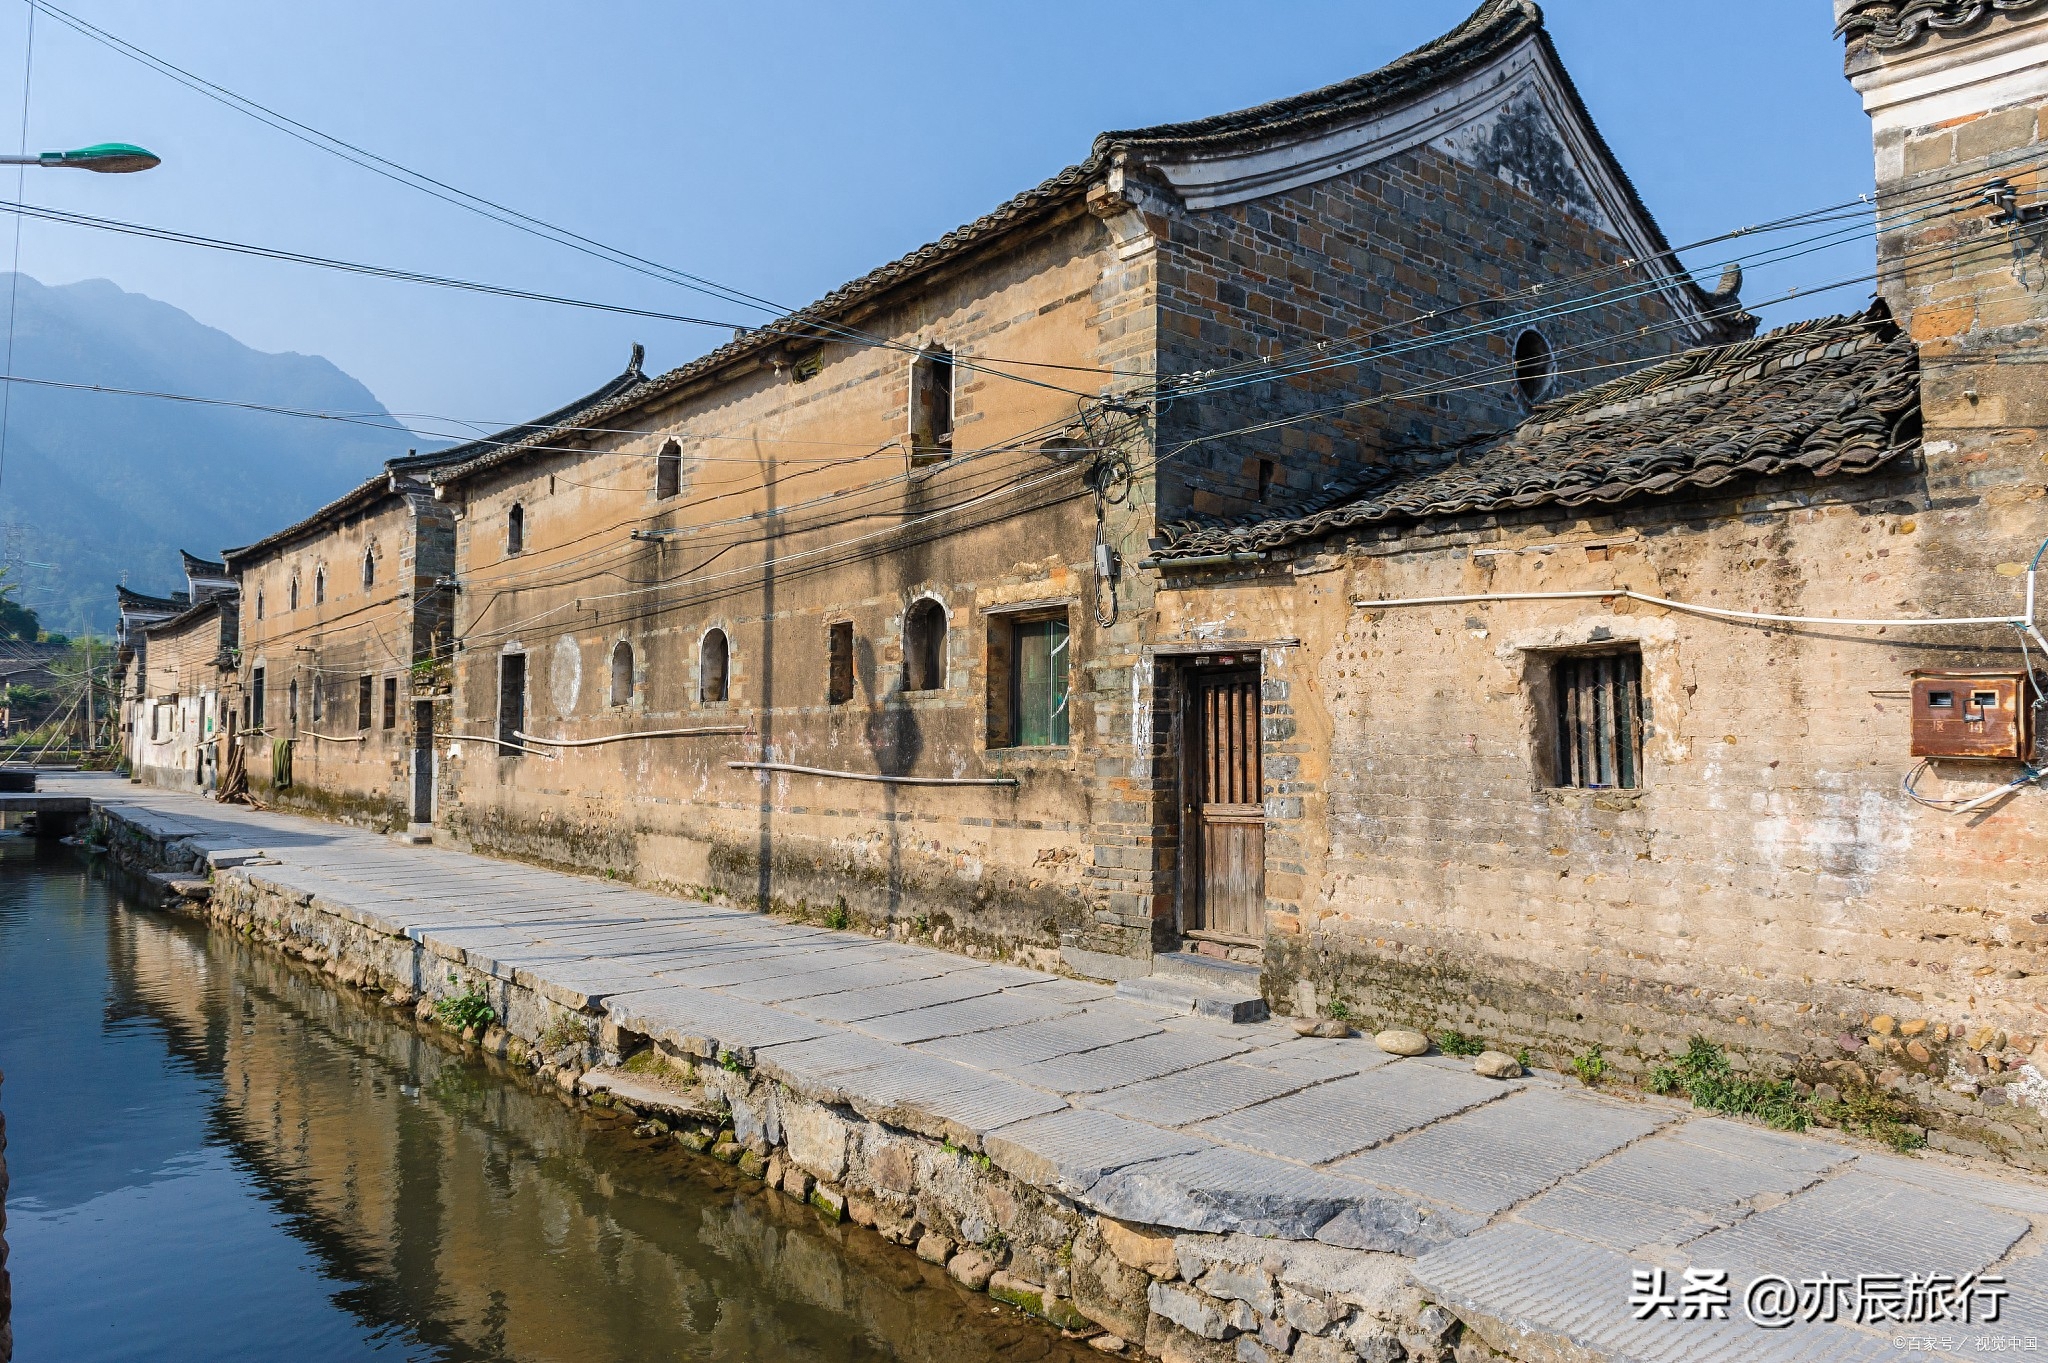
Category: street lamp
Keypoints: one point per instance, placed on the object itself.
(109, 158)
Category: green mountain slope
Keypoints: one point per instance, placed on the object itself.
(99, 489)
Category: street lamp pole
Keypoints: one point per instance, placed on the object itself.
(108, 158)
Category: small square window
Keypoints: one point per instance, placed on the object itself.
(1599, 700)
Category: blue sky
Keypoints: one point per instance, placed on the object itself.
(781, 148)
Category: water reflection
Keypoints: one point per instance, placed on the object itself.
(214, 1156)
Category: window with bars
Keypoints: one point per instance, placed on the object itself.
(1599, 699)
(364, 695)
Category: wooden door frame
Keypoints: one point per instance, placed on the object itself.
(1186, 741)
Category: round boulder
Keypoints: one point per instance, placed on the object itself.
(1497, 1065)
(1398, 1041)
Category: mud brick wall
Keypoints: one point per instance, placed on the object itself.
(1365, 259)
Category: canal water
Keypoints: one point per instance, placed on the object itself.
(215, 1157)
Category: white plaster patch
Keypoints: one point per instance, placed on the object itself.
(1851, 837)
(2029, 1090)
(565, 674)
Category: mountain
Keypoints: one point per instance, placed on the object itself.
(99, 489)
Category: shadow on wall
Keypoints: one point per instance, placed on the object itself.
(896, 740)
(771, 538)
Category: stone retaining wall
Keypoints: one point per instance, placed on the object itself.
(1130, 1288)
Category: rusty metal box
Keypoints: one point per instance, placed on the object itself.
(1972, 714)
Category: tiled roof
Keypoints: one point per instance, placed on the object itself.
(228, 606)
(196, 566)
(1891, 24)
(628, 380)
(398, 474)
(1492, 28)
(17, 653)
(361, 496)
(818, 319)
(1829, 397)
(137, 601)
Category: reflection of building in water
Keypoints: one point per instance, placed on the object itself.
(487, 1218)
(6, 1288)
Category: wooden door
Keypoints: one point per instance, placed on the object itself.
(1225, 808)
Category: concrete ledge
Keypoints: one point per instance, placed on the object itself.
(1100, 965)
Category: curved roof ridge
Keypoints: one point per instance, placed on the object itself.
(1494, 25)
(629, 378)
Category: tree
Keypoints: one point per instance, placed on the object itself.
(16, 620)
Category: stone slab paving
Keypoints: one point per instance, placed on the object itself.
(1528, 1207)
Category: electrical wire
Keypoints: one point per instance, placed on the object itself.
(487, 208)
(1922, 196)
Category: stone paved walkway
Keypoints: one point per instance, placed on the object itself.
(1529, 1204)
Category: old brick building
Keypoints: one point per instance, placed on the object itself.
(856, 613)
(1333, 545)
(1566, 746)
(344, 636)
(174, 658)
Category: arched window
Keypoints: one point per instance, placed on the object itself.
(515, 529)
(319, 697)
(319, 586)
(291, 706)
(291, 596)
(711, 667)
(1533, 368)
(369, 567)
(259, 603)
(924, 646)
(668, 470)
(622, 673)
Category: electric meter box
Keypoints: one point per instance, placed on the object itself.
(1984, 715)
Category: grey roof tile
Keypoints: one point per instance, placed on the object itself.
(1664, 429)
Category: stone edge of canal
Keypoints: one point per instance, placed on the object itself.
(1128, 1288)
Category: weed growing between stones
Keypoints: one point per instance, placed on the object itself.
(652, 1064)
(1590, 1065)
(470, 1008)
(730, 1063)
(838, 916)
(1873, 1113)
(1339, 1010)
(1704, 1075)
(568, 1029)
(1458, 1043)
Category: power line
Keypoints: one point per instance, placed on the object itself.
(1898, 206)
(476, 203)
